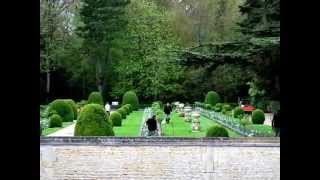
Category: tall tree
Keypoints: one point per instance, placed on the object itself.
(102, 22)
(52, 35)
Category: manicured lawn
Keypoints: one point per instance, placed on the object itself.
(178, 127)
(265, 129)
(130, 126)
(48, 131)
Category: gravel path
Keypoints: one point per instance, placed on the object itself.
(67, 131)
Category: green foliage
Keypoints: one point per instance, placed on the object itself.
(126, 108)
(245, 120)
(116, 118)
(238, 112)
(149, 45)
(208, 106)
(229, 79)
(159, 115)
(218, 107)
(63, 109)
(212, 98)
(217, 131)
(131, 98)
(258, 116)
(74, 107)
(55, 121)
(123, 113)
(95, 98)
(227, 107)
(82, 103)
(129, 106)
(93, 121)
(274, 106)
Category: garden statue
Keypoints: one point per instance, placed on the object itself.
(180, 110)
(195, 121)
(187, 115)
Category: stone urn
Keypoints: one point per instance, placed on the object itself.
(187, 116)
(180, 110)
(195, 121)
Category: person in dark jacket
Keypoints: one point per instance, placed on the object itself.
(152, 125)
(276, 123)
(167, 110)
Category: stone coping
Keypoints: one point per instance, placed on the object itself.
(160, 141)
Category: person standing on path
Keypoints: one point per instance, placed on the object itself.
(152, 125)
(167, 110)
(107, 107)
(276, 123)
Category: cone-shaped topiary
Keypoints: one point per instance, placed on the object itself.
(238, 112)
(73, 106)
(95, 98)
(116, 119)
(212, 98)
(55, 121)
(63, 109)
(93, 121)
(217, 131)
(130, 97)
(122, 112)
(258, 116)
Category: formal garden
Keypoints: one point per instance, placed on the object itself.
(216, 62)
(209, 118)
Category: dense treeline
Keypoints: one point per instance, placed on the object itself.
(120, 45)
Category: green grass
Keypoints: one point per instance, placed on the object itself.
(130, 126)
(48, 131)
(265, 129)
(178, 127)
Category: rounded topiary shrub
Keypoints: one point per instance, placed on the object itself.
(258, 116)
(95, 98)
(212, 98)
(208, 106)
(126, 108)
(217, 131)
(130, 97)
(238, 112)
(226, 107)
(122, 112)
(93, 121)
(116, 119)
(129, 107)
(73, 106)
(63, 109)
(55, 121)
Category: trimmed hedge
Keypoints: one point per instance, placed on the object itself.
(238, 112)
(93, 121)
(95, 98)
(122, 112)
(217, 131)
(116, 118)
(63, 109)
(130, 97)
(212, 98)
(55, 121)
(73, 106)
(258, 116)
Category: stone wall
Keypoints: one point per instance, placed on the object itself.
(159, 158)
